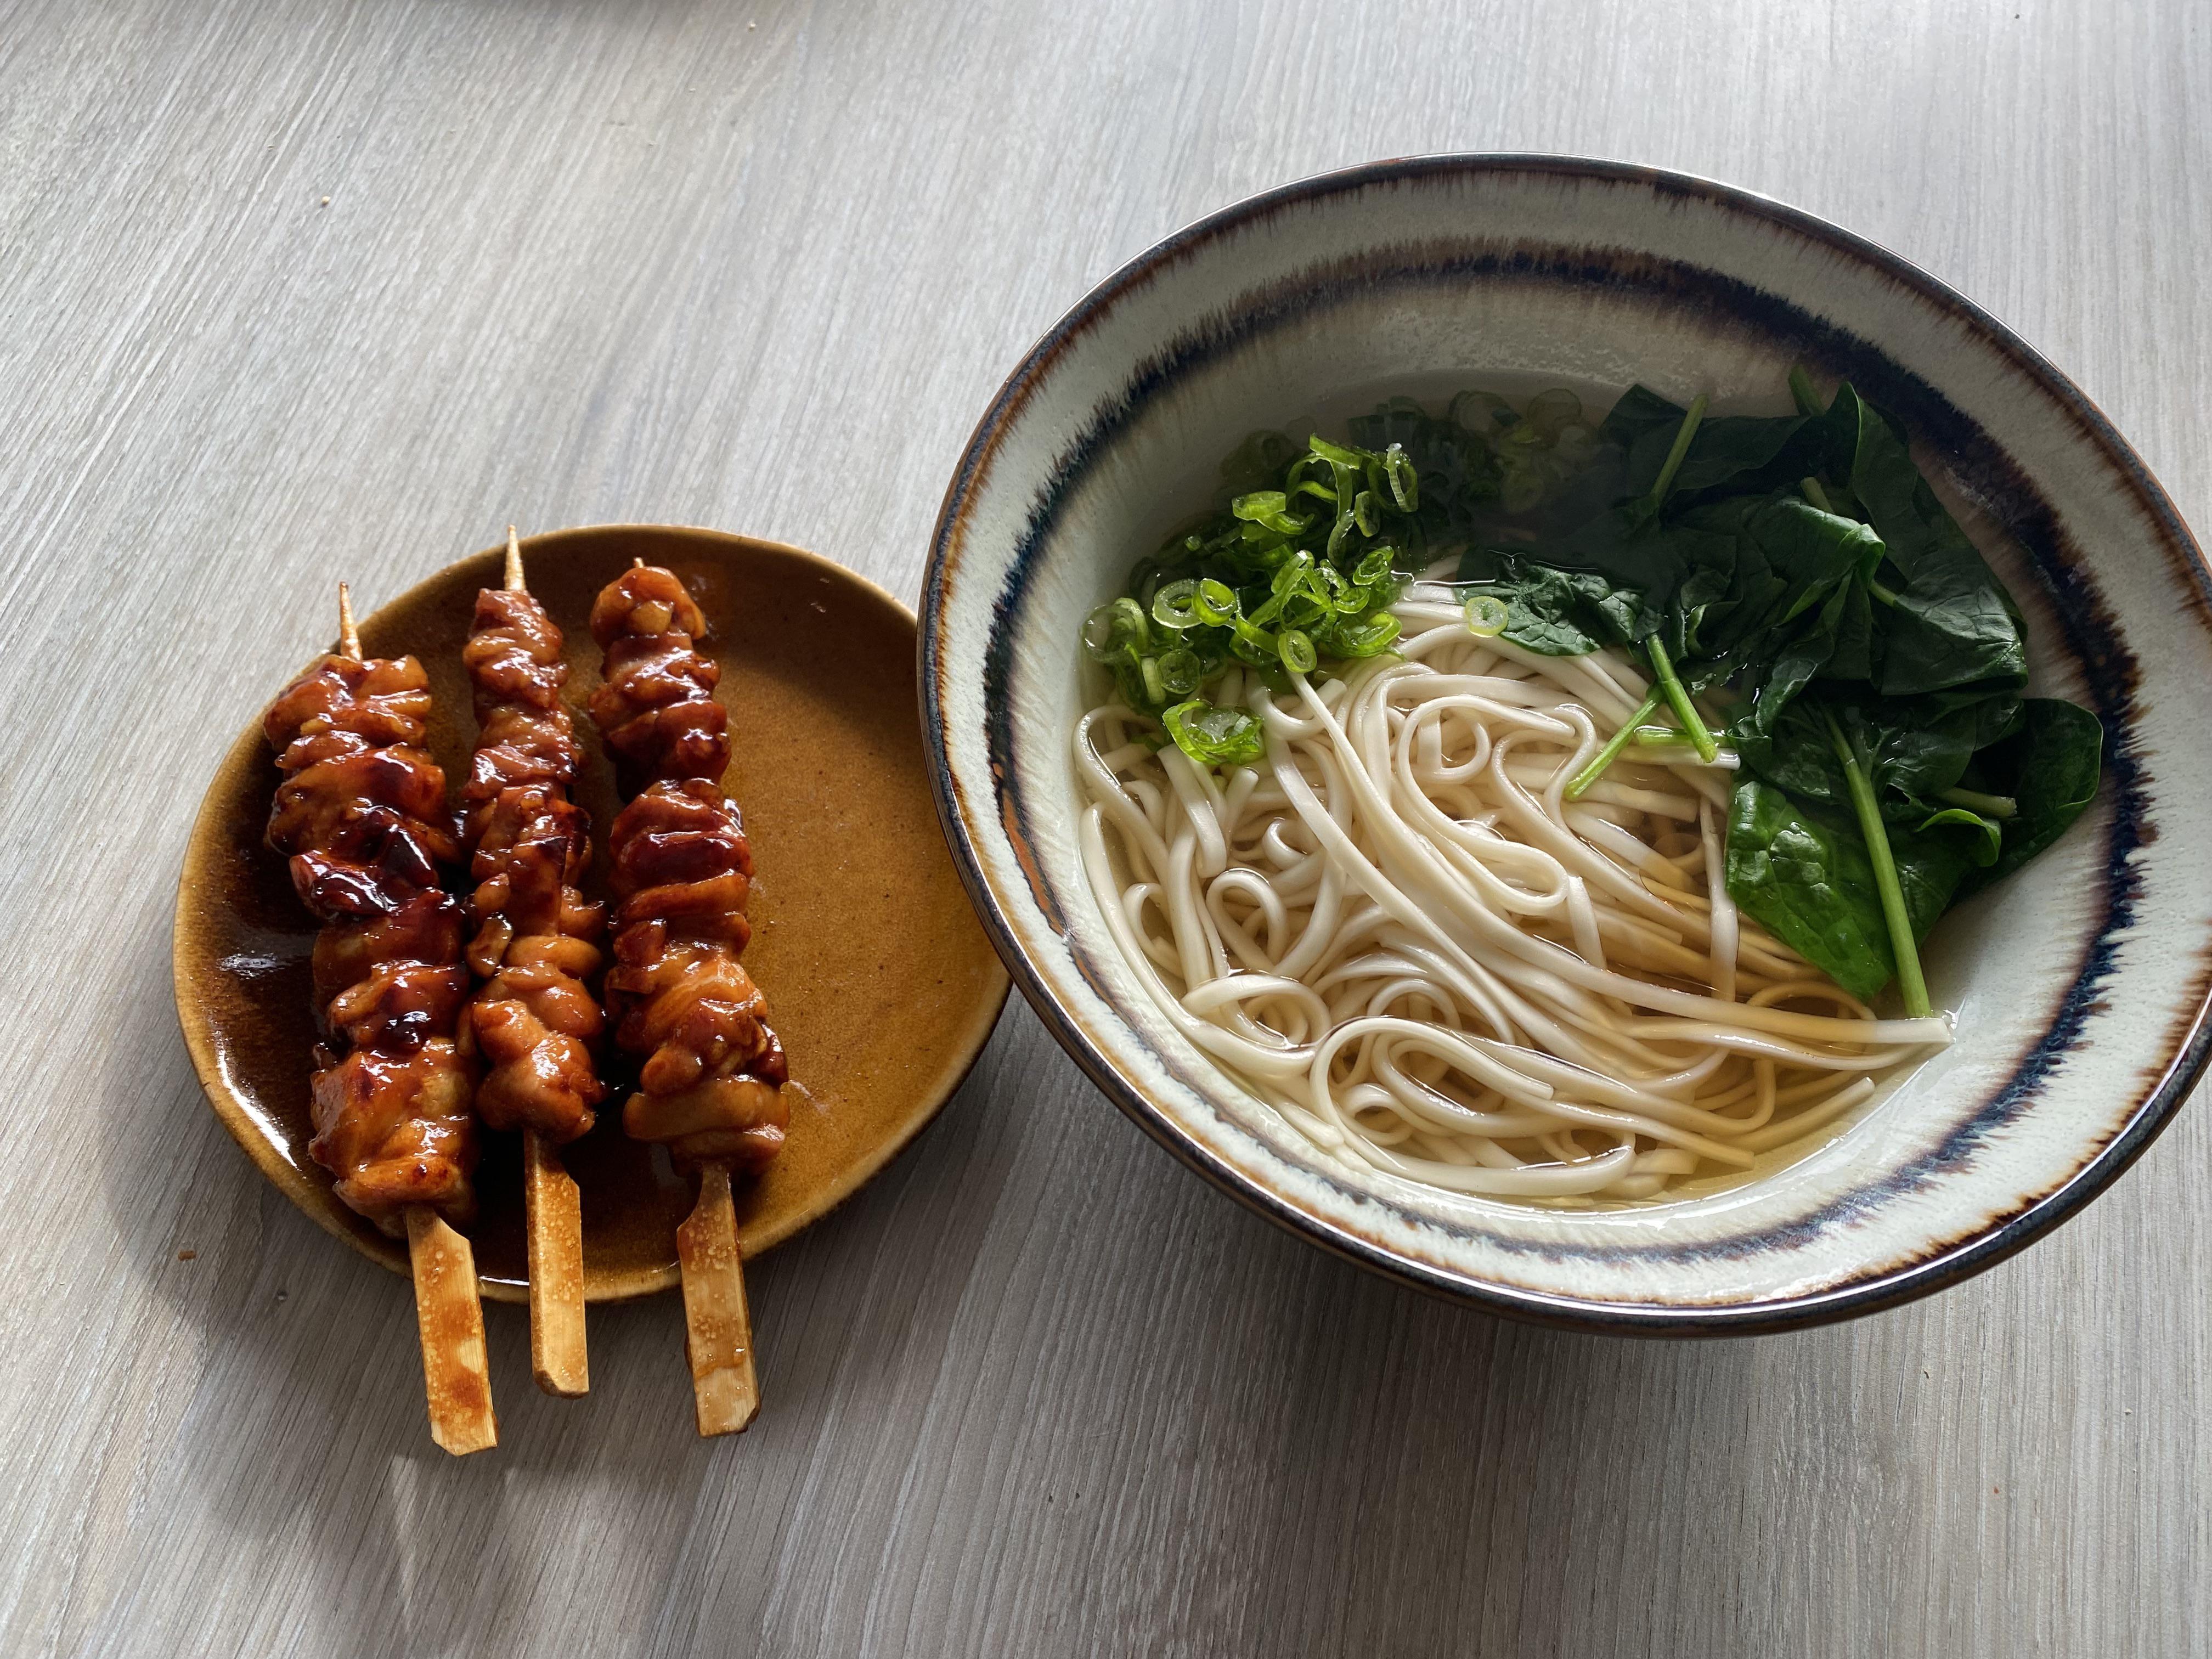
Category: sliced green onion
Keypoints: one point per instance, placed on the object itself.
(1252, 644)
(1266, 508)
(1369, 636)
(1176, 605)
(1487, 616)
(1575, 444)
(1181, 672)
(1216, 603)
(1479, 411)
(1548, 411)
(1156, 688)
(1288, 576)
(1267, 583)
(1115, 630)
(1405, 477)
(1098, 630)
(1213, 736)
(1520, 488)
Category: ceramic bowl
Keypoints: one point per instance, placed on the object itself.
(883, 987)
(2080, 984)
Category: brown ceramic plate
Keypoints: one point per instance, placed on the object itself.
(882, 985)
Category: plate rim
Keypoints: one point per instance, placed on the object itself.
(299, 1186)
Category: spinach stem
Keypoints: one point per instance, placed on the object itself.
(1901, 941)
(1678, 697)
(1620, 740)
(1881, 592)
(1800, 388)
(1989, 806)
(1683, 433)
(1816, 494)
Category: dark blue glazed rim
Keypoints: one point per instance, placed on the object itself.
(2091, 634)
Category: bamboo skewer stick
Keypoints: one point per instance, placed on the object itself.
(553, 1219)
(456, 1372)
(718, 1326)
(553, 1212)
(448, 1314)
(718, 1331)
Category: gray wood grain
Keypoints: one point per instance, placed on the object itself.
(760, 265)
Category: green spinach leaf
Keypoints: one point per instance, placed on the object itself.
(1953, 624)
(1804, 875)
(1986, 840)
(1552, 613)
(1731, 455)
(2051, 770)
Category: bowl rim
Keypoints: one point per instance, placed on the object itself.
(610, 1287)
(1945, 1266)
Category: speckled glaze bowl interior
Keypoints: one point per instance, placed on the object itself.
(2079, 985)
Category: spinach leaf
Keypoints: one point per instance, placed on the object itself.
(1953, 622)
(1729, 571)
(1917, 748)
(1790, 750)
(2050, 767)
(1635, 415)
(1798, 654)
(1804, 875)
(1988, 838)
(1921, 745)
(1621, 545)
(1823, 562)
(1732, 454)
(1555, 613)
(1716, 623)
(1857, 644)
(1813, 551)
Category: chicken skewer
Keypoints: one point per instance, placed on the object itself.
(534, 1022)
(711, 1084)
(362, 816)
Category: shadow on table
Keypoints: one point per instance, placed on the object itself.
(1193, 1422)
(293, 1467)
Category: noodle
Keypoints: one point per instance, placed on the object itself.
(1397, 933)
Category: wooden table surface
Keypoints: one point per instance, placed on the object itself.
(293, 288)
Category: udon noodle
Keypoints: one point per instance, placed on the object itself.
(1398, 933)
